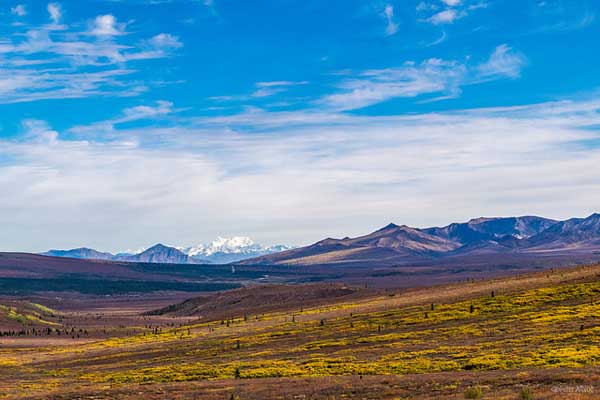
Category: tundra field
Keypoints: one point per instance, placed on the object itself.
(531, 336)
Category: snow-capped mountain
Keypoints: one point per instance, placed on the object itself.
(220, 251)
(227, 250)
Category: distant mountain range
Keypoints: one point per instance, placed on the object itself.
(220, 251)
(492, 239)
(481, 237)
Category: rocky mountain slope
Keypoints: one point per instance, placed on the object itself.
(395, 244)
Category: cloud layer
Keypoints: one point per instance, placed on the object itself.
(329, 174)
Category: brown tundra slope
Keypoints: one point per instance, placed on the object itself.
(520, 337)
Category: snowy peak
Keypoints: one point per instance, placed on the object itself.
(234, 245)
(225, 250)
(219, 251)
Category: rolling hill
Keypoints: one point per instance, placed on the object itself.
(531, 336)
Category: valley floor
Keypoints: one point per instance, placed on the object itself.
(531, 336)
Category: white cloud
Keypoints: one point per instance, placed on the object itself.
(445, 17)
(433, 76)
(106, 129)
(55, 11)
(504, 61)
(106, 25)
(166, 41)
(440, 79)
(350, 174)
(424, 6)
(392, 27)
(19, 10)
(141, 112)
(39, 132)
(57, 61)
(439, 40)
(263, 90)
(26, 85)
(267, 92)
(449, 11)
(280, 83)
(267, 89)
(410, 80)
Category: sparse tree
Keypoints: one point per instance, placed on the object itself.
(526, 393)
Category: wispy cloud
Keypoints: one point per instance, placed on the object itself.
(55, 12)
(262, 90)
(346, 172)
(105, 130)
(504, 61)
(448, 11)
(452, 3)
(443, 79)
(280, 83)
(446, 17)
(433, 76)
(426, 6)
(439, 40)
(392, 26)
(19, 10)
(56, 61)
(410, 80)
(165, 41)
(568, 21)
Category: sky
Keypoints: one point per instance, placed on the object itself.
(125, 123)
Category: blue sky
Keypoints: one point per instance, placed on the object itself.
(128, 122)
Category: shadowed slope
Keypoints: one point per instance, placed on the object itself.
(260, 299)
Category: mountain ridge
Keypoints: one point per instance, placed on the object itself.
(220, 251)
(391, 245)
(400, 244)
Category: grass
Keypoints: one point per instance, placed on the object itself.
(526, 393)
(474, 392)
(553, 326)
(28, 314)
